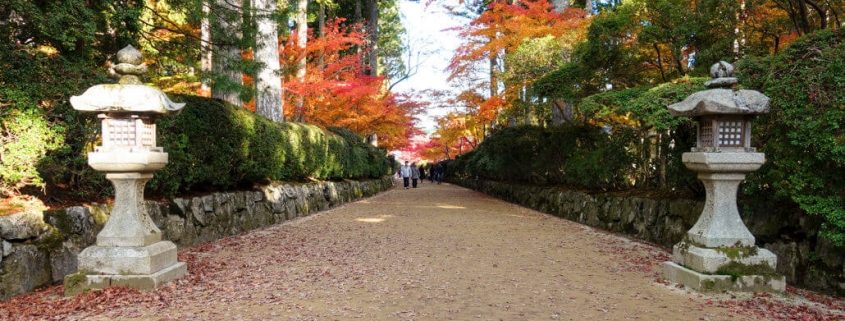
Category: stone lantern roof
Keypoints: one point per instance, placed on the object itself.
(721, 99)
(129, 95)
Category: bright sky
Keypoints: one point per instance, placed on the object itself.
(426, 26)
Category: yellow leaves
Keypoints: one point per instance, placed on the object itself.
(49, 51)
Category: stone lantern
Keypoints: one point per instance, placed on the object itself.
(129, 250)
(719, 252)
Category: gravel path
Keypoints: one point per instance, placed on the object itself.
(438, 252)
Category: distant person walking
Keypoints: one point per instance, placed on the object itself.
(440, 170)
(415, 174)
(422, 174)
(431, 173)
(405, 173)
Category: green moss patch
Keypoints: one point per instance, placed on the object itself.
(736, 269)
(735, 253)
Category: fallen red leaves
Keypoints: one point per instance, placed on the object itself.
(800, 305)
(225, 271)
(765, 306)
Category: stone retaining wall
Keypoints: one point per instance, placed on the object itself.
(806, 260)
(39, 249)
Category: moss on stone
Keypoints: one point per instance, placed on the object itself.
(708, 285)
(50, 241)
(60, 220)
(736, 269)
(74, 280)
(735, 253)
(78, 283)
(100, 214)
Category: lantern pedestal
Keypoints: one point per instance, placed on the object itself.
(129, 250)
(719, 252)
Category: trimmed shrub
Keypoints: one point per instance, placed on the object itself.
(42, 139)
(25, 137)
(363, 160)
(803, 135)
(572, 154)
(213, 145)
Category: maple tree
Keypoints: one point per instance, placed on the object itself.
(504, 27)
(336, 91)
(456, 133)
(326, 79)
(767, 27)
(417, 149)
(499, 32)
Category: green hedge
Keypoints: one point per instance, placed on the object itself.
(216, 146)
(42, 139)
(363, 160)
(571, 154)
(804, 134)
(622, 139)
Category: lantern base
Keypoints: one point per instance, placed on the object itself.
(718, 283)
(724, 268)
(144, 267)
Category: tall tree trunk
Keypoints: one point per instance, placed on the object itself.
(321, 31)
(821, 12)
(494, 80)
(268, 82)
(359, 20)
(301, 42)
(226, 36)
(205, 46)
(804, 16)
(679, 61)
(372, 36)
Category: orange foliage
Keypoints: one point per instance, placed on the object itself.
(503, 28)
(767, 25)
(456, 134)
(336, 92)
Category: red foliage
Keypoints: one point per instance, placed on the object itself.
(415, 151)
(335, 90)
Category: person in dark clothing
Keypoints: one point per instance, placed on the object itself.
(422, 174)
(440, 170)
(431, 173)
